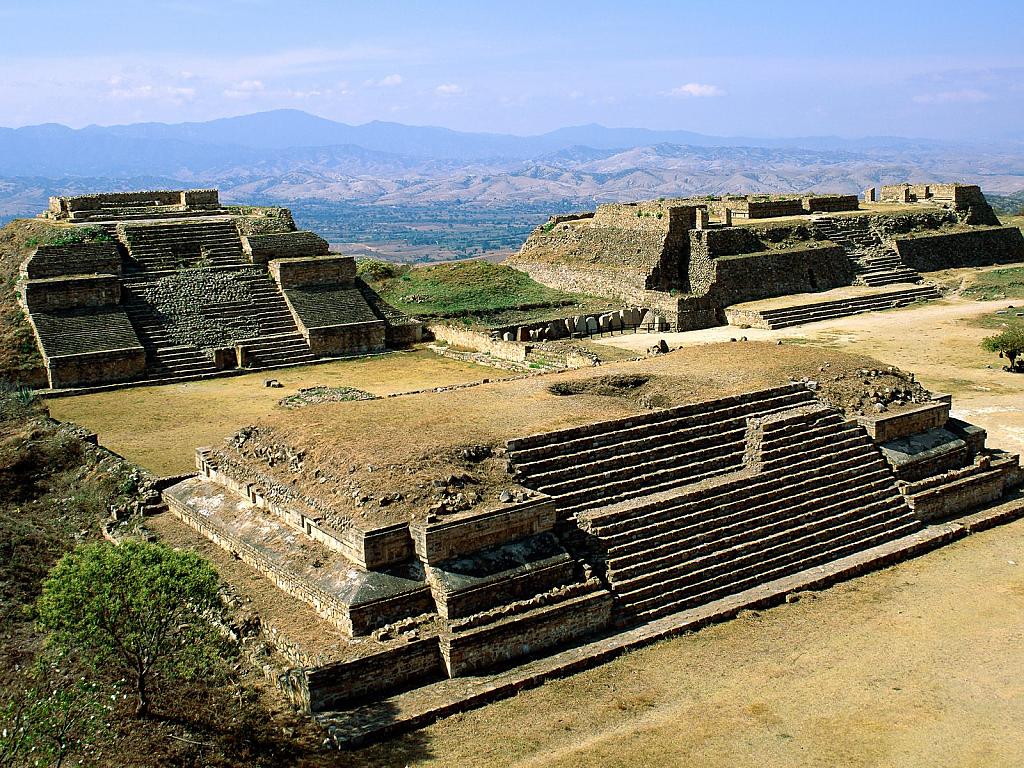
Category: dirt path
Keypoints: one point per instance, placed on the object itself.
(936, 341)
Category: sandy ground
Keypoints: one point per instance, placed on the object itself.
(160, 427)
(916, 665)
(936, 341)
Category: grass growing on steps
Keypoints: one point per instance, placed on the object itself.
(461, 288)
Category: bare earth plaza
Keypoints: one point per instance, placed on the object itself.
(556, 491)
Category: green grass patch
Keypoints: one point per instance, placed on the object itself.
(997, 284)
(461, 289)
(999, 320)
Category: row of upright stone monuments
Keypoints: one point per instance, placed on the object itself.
(580, 326)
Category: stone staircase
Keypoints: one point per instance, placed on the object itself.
(826, 310)
(157, 247)
(278, 342)
(616, 461)
(876, 262)
(813, 488)
(268, 351)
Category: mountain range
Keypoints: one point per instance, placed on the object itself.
(289, 156)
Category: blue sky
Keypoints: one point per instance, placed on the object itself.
(937, 68)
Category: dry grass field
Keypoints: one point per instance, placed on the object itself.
(159, 427)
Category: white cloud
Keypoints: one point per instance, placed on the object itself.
(697, 90)
(966, 96)
(126, 89)
(386, 82)
(244, 89)
(449, 89)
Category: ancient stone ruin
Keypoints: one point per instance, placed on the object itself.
(696, 261)
(167, 285)
(603, 503)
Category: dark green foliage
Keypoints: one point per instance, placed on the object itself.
(1009, 344)
(137, 606)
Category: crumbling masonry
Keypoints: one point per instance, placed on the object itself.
(168, 285)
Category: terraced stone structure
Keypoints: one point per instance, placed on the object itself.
(167, 285)
(484, 541)
(672, 256)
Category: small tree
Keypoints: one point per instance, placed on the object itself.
(1009, 344)
(139, 606)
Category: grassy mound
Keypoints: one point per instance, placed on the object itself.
(462, 288)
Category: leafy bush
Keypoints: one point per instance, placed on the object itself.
(1009, 344)
(374, 269)
(137, 606)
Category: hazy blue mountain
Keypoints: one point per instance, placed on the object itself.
(191, 148)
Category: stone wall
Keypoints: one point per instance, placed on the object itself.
(830, 203)
(89, 369)
(884, 427)
(438, 541)
(973, 248)
(300, 272)
(71, 292)
(73, 259)
(67, 207)
(328, 687)
(479, 342)
(253, 220)
(353, 339)
(283, 245)
(805, 269)
(493, 644)
(764, 209)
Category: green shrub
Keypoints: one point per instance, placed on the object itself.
(138, 606)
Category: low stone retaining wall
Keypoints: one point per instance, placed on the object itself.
(71, 292)
(436, 542)
(74, 259)
(328, 687)
(884, 427)
(283, 245)
(86, 369)
(479, 342)
(316, 270)
(542, 629)
(975, 248)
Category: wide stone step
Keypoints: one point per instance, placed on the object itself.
(816, 544)
(558, 439)
(741, 530)
(624, 522)
(581, 472)
(648, 462)
(737, 509)
(752, 576)
(529, 459)
(676, 433)
(642, 485)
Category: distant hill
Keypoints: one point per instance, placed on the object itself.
(425, 183)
